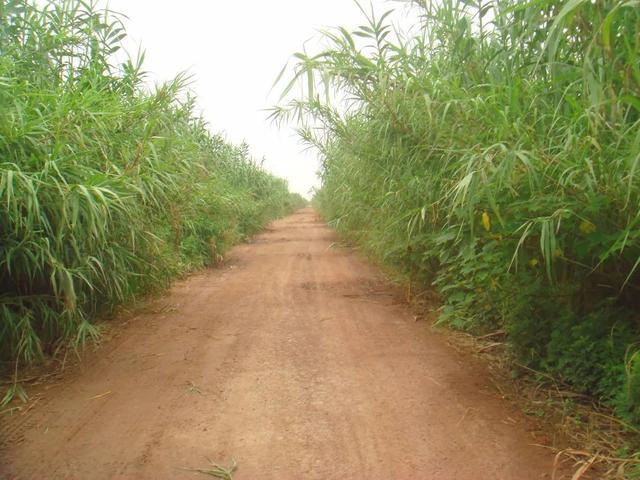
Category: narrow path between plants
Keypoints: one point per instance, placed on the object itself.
(298, 361)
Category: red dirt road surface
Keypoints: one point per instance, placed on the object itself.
(297, 360)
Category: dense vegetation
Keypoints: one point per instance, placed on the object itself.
(493, 150)
(107, 190)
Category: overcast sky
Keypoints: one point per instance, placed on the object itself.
(234, 50)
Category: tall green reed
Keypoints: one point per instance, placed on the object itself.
(107, 190)
(493, 151)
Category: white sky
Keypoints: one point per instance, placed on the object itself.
(235, 50)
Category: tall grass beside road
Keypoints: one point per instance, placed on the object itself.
(493, 151)
(107, 190)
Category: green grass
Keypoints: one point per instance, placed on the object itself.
(216, 471)
(107, 190)
(494, 152)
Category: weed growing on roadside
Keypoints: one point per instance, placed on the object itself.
(217, 471)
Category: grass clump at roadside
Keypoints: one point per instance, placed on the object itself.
(107, 189)
(493, 150)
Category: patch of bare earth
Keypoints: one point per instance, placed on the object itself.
(297, 360)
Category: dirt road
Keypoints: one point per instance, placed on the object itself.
(297, 360)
